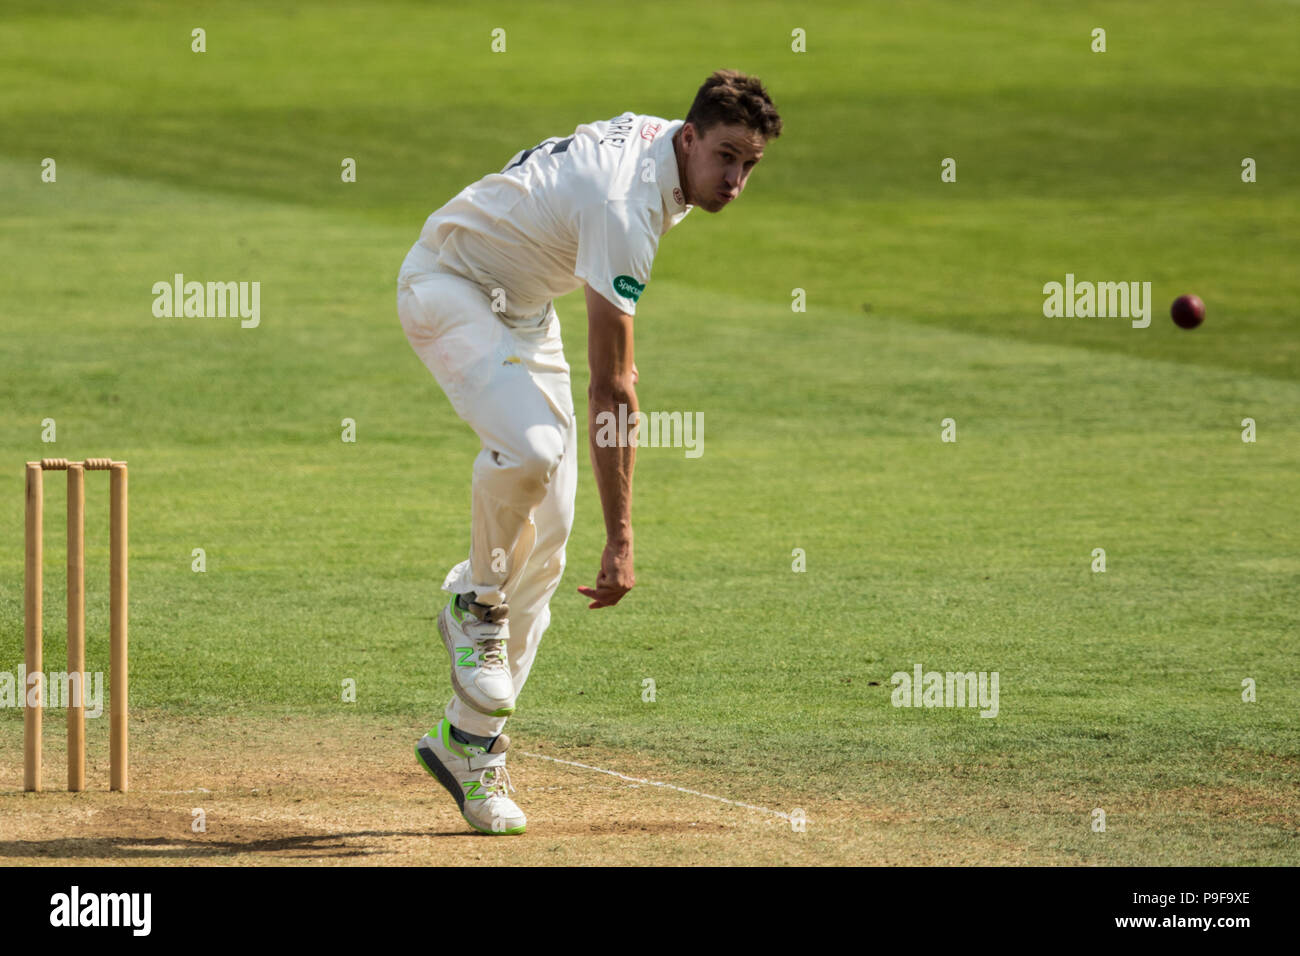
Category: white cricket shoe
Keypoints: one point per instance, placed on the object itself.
(480, 672)
(477, 778)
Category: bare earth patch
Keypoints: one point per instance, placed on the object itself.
(348, 791)
(338, 792)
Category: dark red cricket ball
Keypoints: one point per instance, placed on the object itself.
(1188, 311)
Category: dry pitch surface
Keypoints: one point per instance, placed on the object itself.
(339, 792)
(329, 793)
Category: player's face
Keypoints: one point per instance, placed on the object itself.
(718, 164)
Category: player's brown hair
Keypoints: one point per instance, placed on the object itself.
(729, 97)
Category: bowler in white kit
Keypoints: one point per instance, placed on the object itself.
(475, 296)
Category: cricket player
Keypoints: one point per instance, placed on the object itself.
(475, 298)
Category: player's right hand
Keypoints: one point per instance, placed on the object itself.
(615, 578)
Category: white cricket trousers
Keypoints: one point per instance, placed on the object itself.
(510, 383)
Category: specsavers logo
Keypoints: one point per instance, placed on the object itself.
(628, 287)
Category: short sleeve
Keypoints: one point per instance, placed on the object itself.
(616, 249)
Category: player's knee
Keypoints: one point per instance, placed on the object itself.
(541, 453)
(409, 314)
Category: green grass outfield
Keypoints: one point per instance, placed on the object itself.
(1120, 690)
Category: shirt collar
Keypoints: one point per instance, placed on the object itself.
(670, 185)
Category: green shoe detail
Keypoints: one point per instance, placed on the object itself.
(510, 832)
(420, 757)
(450, 742)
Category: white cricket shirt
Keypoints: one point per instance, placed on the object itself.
(589, 207)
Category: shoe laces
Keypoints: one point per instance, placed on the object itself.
(484, 623)
(496, 781)
(491, 649)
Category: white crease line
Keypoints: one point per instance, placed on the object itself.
(657, 783)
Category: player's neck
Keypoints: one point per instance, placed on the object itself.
(681, 166)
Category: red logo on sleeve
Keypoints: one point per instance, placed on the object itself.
(650, 130)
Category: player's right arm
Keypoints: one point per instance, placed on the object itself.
(613, 377)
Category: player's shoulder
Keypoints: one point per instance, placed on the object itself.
(621, 164)
(628, 127)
